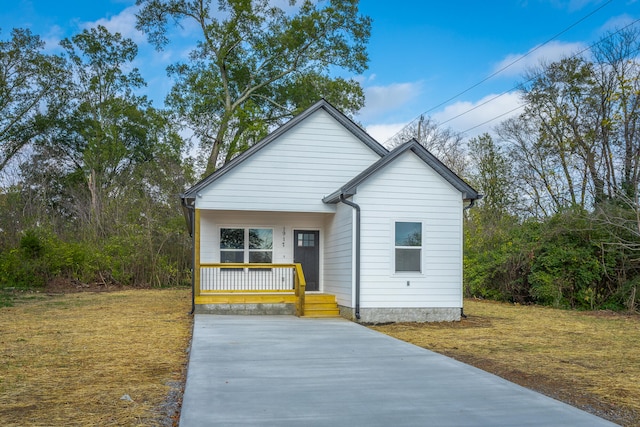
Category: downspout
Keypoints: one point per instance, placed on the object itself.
(469, 206)
(357, 209)
(192, 216)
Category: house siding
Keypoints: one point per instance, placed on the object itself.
(338, 259)
(294, 172)
(434, 203)
(282, 223)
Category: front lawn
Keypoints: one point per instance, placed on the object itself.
(109, 358)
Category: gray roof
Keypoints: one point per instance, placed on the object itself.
(322, 104)
(349, 189)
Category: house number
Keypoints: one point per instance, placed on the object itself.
(284, 233)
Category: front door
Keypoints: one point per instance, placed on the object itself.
(307, 252)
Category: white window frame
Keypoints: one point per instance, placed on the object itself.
(246, 250)
(419, 248)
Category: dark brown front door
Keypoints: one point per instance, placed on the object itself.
(307, 252)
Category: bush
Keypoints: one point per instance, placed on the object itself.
(559, 261)
(24, 267)
(566, 270)
(130, 260)
(497, 260)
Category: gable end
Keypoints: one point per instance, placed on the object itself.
(350, 188)
(322, 104)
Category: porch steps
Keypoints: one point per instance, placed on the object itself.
(320, 305)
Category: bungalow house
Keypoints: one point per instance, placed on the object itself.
(319, 219)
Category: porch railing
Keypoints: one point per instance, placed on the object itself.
(253, 278)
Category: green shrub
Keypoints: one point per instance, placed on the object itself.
(566, 260)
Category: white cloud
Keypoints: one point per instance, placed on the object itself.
(576, 5)
(476, 118)
(471, 118)
(515, 64)
(616, 22)
(384, 132)
(52, 39)
(380, 100)
(123, 23)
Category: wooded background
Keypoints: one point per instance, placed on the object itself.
(90, 171)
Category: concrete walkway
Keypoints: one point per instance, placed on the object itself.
(289, 371)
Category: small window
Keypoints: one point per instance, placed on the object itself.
(408, 246)
(307, 240)
(241, 244)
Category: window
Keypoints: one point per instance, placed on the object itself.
(232, 245)
(306, 240)
(260, 245)
(408, 246)
(246, 245)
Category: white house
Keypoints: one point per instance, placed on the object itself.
(376, 232)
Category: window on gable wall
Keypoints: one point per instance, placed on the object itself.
(254, 245)
(408, 247)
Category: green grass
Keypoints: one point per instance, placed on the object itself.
(6, 299)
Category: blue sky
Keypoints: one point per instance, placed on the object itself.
(423, 53)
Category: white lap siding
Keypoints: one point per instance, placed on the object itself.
(409, 191)
(338, 259)
(293, 172)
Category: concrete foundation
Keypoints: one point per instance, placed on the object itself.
(391, 315)
(246, 309)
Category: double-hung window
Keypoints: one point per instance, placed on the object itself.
(408, 247)
(253, 245)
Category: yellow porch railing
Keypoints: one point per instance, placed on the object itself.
(218, 278)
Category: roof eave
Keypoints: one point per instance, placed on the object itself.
(336, 196)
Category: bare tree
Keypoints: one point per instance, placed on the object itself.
(444, 143)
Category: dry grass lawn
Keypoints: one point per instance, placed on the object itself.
(81, 359)
(588, 359)
(70, 359)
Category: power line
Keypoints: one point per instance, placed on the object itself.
(590, 47)
(495, 118)
(520, 58)
(495, 73)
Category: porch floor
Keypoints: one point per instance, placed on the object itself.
(316, 304)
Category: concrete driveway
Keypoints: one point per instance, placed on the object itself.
(289, 371)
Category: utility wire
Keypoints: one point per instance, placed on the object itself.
(495, 118)
(590, 47)
(505, 67)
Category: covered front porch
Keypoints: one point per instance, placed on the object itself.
(261, 263)
(258, 288)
